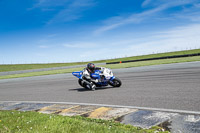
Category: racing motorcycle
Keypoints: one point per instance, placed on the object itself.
(104, 78)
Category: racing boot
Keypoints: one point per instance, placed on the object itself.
(93, 86)
(86, 84)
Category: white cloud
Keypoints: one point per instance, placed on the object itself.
(71, 11)
(179, 38)
(47, 5)
(146, 2)
(41, 54)
(117, 21)
(86, 45)
(134, 18)
(100, 54)
(68, 9)
(175, 39)
(44, 46)
(191, 14)
(46, 41)
(156, 3)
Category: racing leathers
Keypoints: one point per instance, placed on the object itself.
(88, 81)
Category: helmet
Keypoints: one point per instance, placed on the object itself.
(90, 67)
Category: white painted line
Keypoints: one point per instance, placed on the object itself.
(115, 106)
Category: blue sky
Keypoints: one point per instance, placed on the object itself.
(47, 31)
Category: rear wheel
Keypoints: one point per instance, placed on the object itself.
(86, 84)
(115, 82)
(80, 82)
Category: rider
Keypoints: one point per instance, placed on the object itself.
(88, 81)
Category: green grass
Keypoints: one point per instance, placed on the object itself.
(24, 122)
(16, 67)
(154, 62)
(112, 66)
(156, 55)
(41, 73)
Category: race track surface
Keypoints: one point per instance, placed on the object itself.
(172, 86)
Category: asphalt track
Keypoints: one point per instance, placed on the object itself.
(172, 86)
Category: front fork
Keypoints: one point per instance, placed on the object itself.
(111, 79)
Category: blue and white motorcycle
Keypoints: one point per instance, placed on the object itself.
(104, 78)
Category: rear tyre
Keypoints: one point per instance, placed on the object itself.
(80, 82)
(116, 82)
(86, 84)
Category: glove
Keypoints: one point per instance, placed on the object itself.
(95, 80)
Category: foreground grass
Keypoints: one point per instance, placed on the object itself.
(16, 67)
(112, 66)
(23, 122)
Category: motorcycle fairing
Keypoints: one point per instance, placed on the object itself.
(78, 74)
(104, 77)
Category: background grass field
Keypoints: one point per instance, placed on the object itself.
(112, 66)
(16, 67)
(6, 68)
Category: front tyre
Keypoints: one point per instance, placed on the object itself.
(116, 82)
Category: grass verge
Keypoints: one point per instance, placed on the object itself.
(30, 74)
(112, 66)
(24, 122)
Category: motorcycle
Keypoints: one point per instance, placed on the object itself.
(104, 78)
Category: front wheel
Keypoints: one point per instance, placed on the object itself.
(116, 82)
